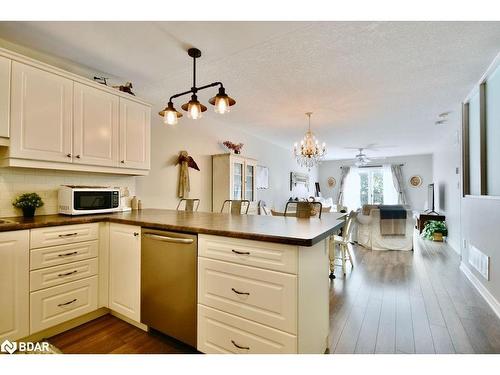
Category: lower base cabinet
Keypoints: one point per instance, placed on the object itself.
(14, 285)
(219, 332)
(58, 304)
(262, 298)
(125, 270)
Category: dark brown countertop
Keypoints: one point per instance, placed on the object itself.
(286, 230)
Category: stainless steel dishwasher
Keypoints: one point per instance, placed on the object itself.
(168, 283)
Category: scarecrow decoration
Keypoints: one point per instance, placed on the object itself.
(186, 162)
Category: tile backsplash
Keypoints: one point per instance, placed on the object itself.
(15, 181)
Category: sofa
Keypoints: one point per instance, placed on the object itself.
(368, 231)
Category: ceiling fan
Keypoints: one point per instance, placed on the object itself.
(361, 159)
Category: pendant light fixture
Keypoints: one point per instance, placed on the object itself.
(221, 102)
(309, 153)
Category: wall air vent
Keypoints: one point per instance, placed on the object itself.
(479, 261)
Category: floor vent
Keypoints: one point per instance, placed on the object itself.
(479, 261)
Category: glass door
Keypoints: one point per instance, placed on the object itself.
(371, 187)
(249, 182)
(237, 192)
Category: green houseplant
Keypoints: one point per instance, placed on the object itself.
(28, 202)
(435, 230)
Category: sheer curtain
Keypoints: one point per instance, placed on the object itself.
(344, 172)
(390, 193)
(398, 182)
(352, 189)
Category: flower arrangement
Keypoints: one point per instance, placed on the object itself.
(28, 202)
(236, 147)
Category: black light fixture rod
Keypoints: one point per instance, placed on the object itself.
(194, 72)
(196, 89)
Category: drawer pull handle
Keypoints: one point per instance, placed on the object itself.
(67, 303)
(241, 252)
(68, 254)
(68, 235)
(239, 346)
(238, 292)
(67, 273)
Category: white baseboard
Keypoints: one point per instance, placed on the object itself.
(485, 293)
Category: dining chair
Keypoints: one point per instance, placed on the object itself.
(343, 244)
(191, 205)
(304, 210)
(236, 205)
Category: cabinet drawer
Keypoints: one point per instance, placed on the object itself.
(58, 304)
(251, 253)
(219, 332)
(267, 297)
(52, 276)
(66, 234)
(56, 255)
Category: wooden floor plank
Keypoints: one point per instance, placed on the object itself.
(390, 302)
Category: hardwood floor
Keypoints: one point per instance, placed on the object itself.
(410, 302)
(391, 302)
(110, 335)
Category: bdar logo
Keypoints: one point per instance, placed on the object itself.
(8, 347)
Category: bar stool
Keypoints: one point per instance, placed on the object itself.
(235, 206)
(343, 243)
(189, 205)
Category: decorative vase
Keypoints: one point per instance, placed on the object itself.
(29, 211)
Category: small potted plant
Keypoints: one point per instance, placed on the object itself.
(435, 230)
(28, 202)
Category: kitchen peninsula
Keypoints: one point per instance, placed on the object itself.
(262, 282)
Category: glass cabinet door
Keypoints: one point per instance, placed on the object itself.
(249, 182)
(237, 181)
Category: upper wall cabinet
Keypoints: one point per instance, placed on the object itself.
(41, 115)
(53, 119)
(96, 130)
(135, 135)
(4, 96)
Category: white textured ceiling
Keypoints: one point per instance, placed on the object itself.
(366, 82)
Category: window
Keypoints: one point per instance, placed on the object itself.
(371, 185)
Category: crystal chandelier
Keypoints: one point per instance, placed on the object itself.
(309, 153)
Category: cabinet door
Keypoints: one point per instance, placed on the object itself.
(14, 285)
(4, 96)
(41, 115)
(237, 177)
(135, 133)
(96, 133)
(125, 270)
(250, 168)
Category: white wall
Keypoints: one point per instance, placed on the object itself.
(447, 181)
(202, 139)
(413, 165)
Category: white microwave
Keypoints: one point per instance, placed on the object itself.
(84, 200)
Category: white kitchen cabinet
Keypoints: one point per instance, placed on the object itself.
(53, 119)
(41, 115)
(233, 178)
(96, 129)
(5, 66)
(259, 297)
(14, 285)
(135, 134)
(125, 270)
